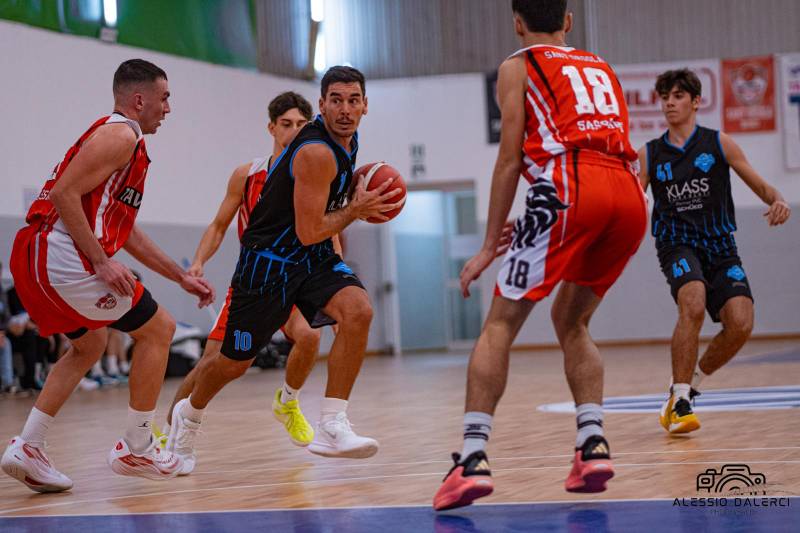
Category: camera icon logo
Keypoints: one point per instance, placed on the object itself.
(732, 478)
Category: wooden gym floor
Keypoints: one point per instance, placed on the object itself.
(413, 406)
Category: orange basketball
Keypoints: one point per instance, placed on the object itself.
(374, 175)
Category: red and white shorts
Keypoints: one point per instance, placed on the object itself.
(57, 285)
(218, 329)
(585, 217)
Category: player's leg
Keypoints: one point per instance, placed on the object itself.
(251, 322)
(350, 307)
(470, 477)
(737, 324)
(571, 312)
(25, 459)
(302, 357)
(213, 346)
(137, 454)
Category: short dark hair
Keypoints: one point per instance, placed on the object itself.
(683, 78)
(136, 71)
(286, 101)
(342, 74)
(541, 16)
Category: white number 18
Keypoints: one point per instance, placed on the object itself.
(605, 102)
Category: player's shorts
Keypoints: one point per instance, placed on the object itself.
(60, 292)
(585, 217)
(218, 329)
(722, 274)
(255, 315)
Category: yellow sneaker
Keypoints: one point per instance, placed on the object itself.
(677, 416)
(158, 436)
(300, 431)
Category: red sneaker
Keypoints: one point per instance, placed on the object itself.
(592, 466)
(467, 481)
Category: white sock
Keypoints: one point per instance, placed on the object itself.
(698, 376)
(113, 366)
(681, 390)
(36, 428)
(138, 432)
(477, 427)
(97, 370)
(332, 407)
(288, 393)
(191, 412)
(590, 422)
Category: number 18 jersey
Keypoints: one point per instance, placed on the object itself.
(573, 101)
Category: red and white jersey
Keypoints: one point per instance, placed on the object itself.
(112, 206)
(573, 101)
(256, 178)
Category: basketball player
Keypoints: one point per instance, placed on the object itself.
(693, 223)
(565, 129)
(287, 258)
(66, 278)
(288, 113)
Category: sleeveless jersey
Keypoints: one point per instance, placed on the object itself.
(253, 185)
(270, 235)
(692, 192)
(573, 101)
(112, 206)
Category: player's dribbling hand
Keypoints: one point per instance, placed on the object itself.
(372, 204)
(117, 276)
(200, 287)
(778, 213)
(474, 267)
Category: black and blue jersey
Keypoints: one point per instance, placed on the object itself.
(691, 185)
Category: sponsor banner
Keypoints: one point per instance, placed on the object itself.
(748, 94)
(492, 108)
(644, 105)
(790, 109)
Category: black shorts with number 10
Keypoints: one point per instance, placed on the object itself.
(265, 288)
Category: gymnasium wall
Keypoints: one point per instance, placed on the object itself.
(218, 119)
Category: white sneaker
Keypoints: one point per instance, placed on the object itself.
(182, 436)
(31, 466)
(153, 463)
(336, 438)
(88, 384)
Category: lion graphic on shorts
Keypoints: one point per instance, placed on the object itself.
(542, 205)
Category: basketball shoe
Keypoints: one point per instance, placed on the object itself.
(591, 467)
(336, 438)
(182, 436)
(289, 414)
(466, 481)
(161, 436)
(153, 463)
(31, 466)
(677, 415)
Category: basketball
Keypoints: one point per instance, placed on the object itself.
(374, 175)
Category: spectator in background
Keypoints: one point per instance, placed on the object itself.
(6, 361)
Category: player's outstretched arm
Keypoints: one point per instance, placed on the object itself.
(511, 97)
(107, 150)
(779, 210)
(144, 250)
(215, 232)
(644, 177)
(314, 168)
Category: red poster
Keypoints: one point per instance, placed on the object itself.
(748, 94)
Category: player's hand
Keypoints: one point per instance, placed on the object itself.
(196, 270)
(778, 213)
(372, 204)
(505, 239)
(200, 287)
(474, 267)
(117, 276)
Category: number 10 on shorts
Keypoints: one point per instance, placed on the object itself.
(518, 273)
(243, 341)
